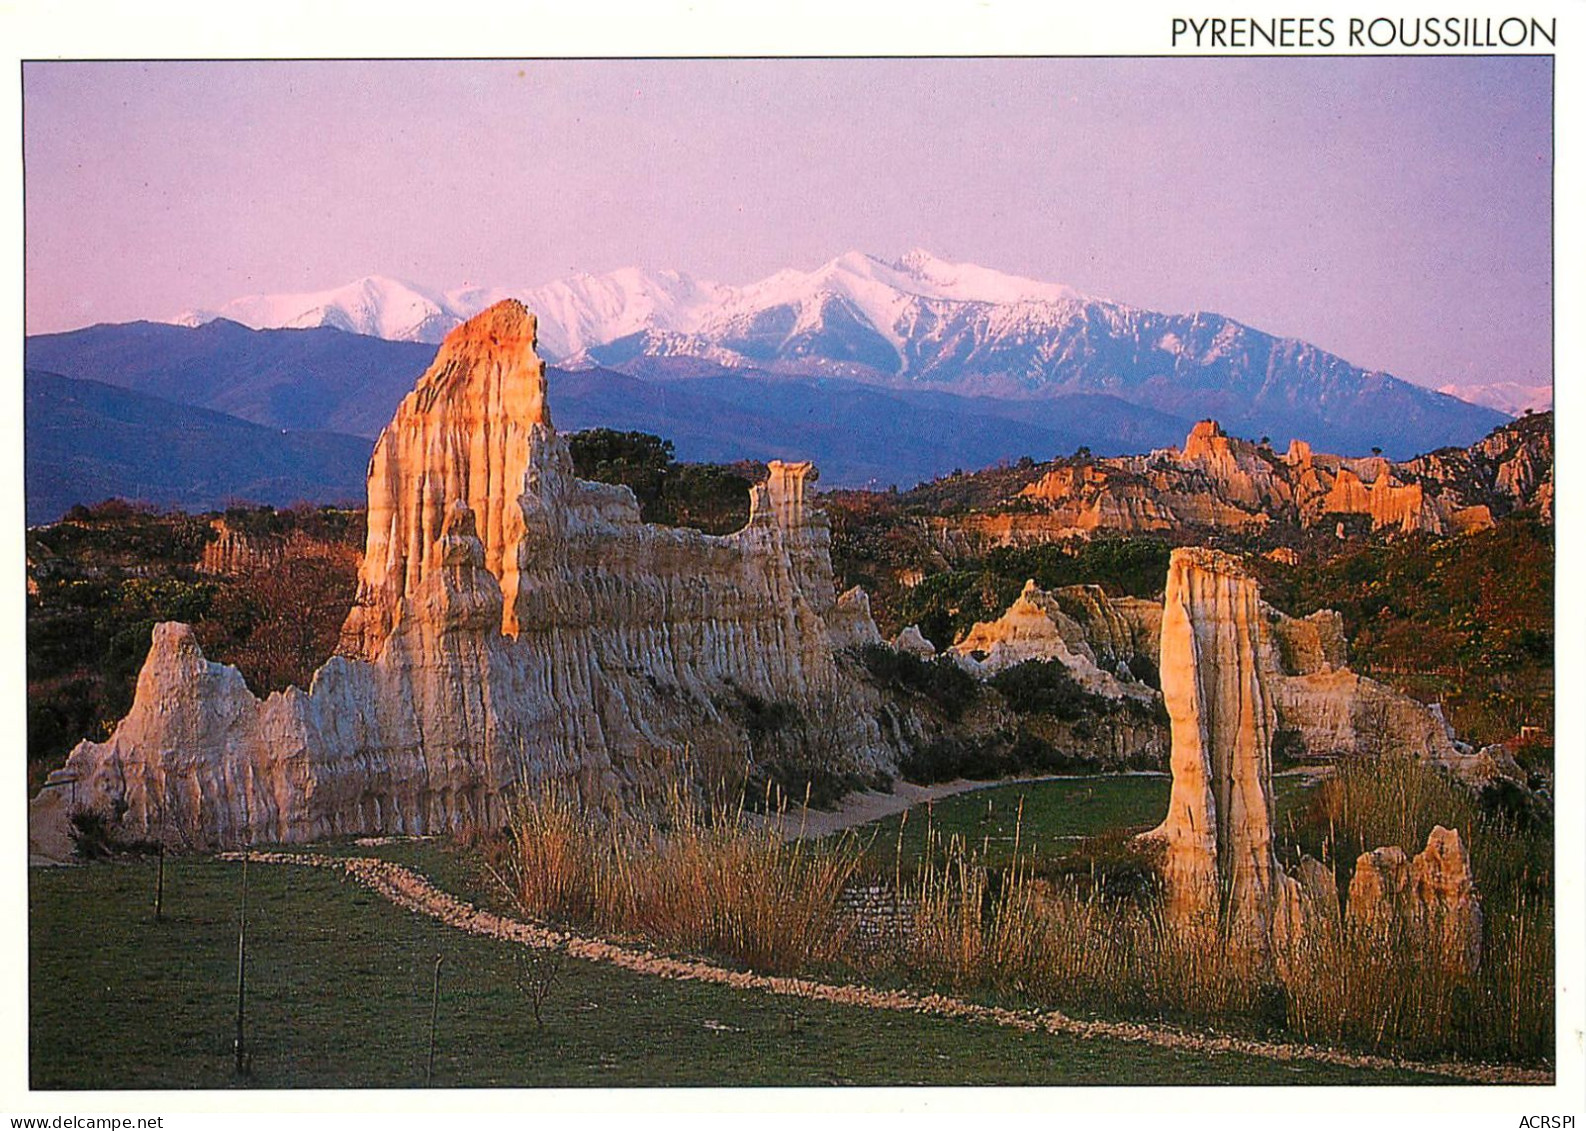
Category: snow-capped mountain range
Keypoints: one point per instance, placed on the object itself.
(922, 322)
(1509, 397)
(587, 311)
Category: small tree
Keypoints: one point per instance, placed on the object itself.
(536, 972)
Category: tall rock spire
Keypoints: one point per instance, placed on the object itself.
(1218, 829)
(463, 434)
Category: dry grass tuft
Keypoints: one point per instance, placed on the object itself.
(700, 877)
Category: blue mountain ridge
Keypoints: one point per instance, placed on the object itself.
(859, 430)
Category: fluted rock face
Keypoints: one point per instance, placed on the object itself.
(462, 435)
(513, 622)
(1241, 475)
(1387, 502)
(1222, 483)
(233, 552)
(849, 624)
(1218, 829)
(1445, 904)
(1314, 643)
(1113, 629)
(1305, 913)
(1319, 706)
(1382, 879)
(1215, 482)
(1511, 467)
(913, 641)
(1333, 711)
(1035, 627)
(1430, 901)
(1323, 708)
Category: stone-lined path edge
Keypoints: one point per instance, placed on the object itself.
(412, 892)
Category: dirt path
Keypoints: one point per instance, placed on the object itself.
(413, 892)
(857, 809)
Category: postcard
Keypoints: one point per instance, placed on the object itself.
(909, 561)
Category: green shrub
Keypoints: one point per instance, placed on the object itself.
(947, 758)
(946, 605)
(987, 758)
(1046, 687)
(1135, 567)
(1467, 621)
(96, 835)
(709, 497)
(90, 833)
(1144, 669)
(636, 460)
(940, 680)
(1288, 746)
(771, 784)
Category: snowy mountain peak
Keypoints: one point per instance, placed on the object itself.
(918, 262)
(920, 274)
(590, 310)
(965, 282)
(1509, 397)
(375, 305)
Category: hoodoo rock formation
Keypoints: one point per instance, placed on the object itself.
(1431, 899)
(1220, 869)
(1319, 706)
(1035, 627)
(1218, 830)
(233, 552)
(1222, 483)
(467, 434)
(512, 623)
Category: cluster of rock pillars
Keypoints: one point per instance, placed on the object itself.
(514, 623)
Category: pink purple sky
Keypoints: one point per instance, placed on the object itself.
(1393, 210)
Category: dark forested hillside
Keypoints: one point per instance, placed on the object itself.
(86, 441)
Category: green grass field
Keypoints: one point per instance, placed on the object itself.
(1051, 818)
(339, 997)
(1056, 816)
